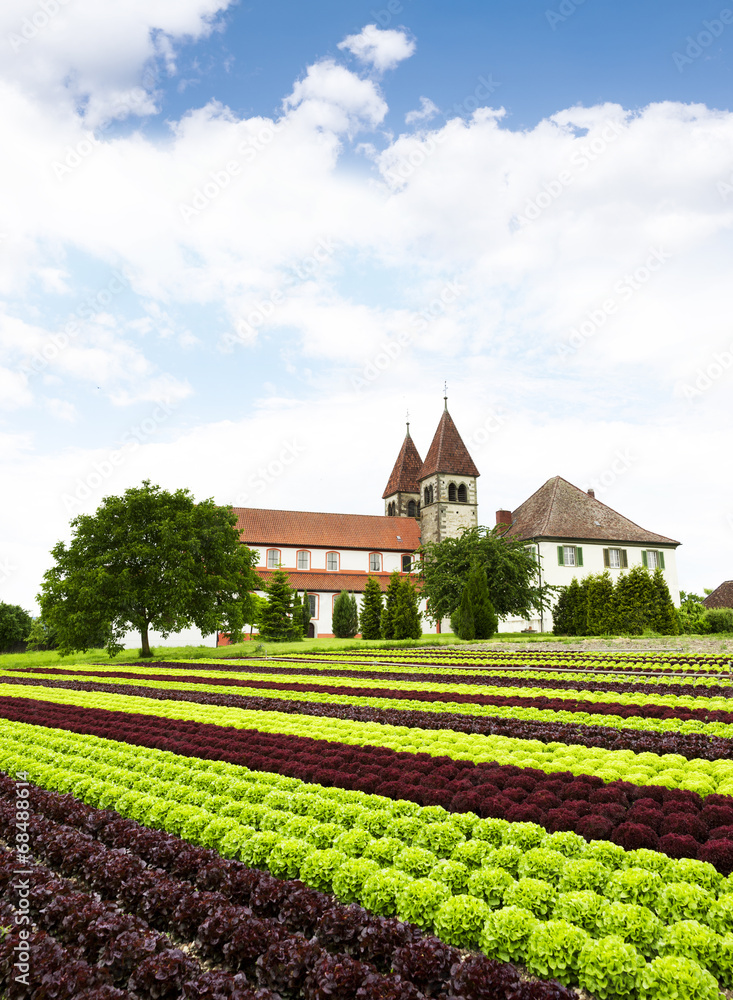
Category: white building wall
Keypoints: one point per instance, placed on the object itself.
(556, 575)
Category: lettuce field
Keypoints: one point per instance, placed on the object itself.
(408, 824)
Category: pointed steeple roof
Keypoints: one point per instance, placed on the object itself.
(448, 453)
(406, 472)
(560, 510)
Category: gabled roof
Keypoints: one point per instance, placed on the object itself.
(721, 597)
(330, 531)
(448, 453)
(560, 510)
(406, 472)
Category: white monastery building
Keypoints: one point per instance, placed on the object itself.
(572, 533)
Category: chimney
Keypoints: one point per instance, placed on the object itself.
(592, 492)
(503, 517)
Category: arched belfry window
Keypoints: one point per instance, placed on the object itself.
(428, 494)
(452, 492)
(391, 509)
(462, 493)
(411, 508)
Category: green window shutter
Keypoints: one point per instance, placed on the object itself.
(624, 559)
(606, 558)
(644, 560)
(560, 559)
(578, 556)
(661, 559)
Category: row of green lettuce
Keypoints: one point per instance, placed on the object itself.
(668, 770)
(510, 889)
(709, 663)
(527, 713)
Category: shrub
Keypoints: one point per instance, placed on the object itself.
(720, 619)
(345, 621)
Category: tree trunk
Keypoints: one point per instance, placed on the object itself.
(145, 642)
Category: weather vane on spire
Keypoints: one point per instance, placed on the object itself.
(407, 418)
(445, 394)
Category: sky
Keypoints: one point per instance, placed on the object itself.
(239, 242)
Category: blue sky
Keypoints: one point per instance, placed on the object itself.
(279, 226)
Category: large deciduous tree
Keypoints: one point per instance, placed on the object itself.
(15, 625)
(511, 573)
(148, 559)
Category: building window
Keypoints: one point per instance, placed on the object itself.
(406, 563)
(569, 555)
(313, 601)
(411, 508)
(615, 558)
(653, 559)
(332, 561)
(274, 558)
(452, 492)
(304, 559)
(428, 495)
(375, 562)
(462, 493)
(391, 509)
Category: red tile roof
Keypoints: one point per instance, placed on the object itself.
(406, 472)
(448, 453)
(721, 597)
(310, 529)
(560, 510)
(316, 580)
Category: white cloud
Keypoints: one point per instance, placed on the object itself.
(380, 48)
(540, 227)
(424, 113)
(83, 52)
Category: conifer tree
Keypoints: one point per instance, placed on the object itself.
(306, 613)
(405, 615)
(276, 616)
(666, 620)
(371, 610)
(600, 604)
(633, 604)
(297, 616)
(561, 617)
(386, 627)
(580, 609)
(475, 617)
(573, 601)
(345, 616)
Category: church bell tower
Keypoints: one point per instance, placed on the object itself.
(447, 483)
(402, 493)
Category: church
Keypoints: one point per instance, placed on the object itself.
(571, 532)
